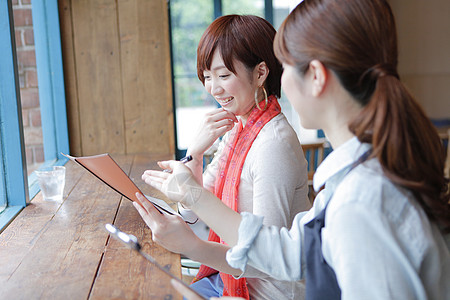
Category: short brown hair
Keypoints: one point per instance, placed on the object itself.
(246, 38)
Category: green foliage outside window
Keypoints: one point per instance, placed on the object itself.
(189, 19)
(251, 7)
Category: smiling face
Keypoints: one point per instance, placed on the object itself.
(234, 92)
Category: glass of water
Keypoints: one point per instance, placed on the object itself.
(51, 181)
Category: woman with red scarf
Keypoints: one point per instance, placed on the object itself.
(259, 166)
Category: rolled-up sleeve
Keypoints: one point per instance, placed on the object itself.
(269, 249)
(237, 256)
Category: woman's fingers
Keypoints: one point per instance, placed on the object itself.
(156, 183)
(155, 178)
(175, 166)
(215, 124)
(224, 122)
(219, 121)
(220, 114)
(148, 206)
(169, 231)
(148, 212)
(219, 128)
(179, 186)
(166, 164)
(157, 174)
(145, 216)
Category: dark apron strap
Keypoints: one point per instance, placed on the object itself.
(321, 281)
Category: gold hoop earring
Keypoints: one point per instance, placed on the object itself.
(266, 101)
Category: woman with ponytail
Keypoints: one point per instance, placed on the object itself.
(379, 228)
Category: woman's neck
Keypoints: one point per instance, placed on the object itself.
(338, 135)
(243, 120)
(244, 117)
(340, 111)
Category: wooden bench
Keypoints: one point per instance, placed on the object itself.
(62, 251)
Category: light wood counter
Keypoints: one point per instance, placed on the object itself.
(62, 251)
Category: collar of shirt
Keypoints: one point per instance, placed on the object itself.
(338, 161)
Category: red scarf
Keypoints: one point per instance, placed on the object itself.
(227, 183)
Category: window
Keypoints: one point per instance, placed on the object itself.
(28, 83)
(188, 20)
(254, 7)
(13, 182)
(51, 85)
(15, 186)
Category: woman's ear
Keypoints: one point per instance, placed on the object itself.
(319, 77)
(262, 71)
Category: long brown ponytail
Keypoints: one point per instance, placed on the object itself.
(356, 39)
(407, 146)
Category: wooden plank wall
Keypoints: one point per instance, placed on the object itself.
(424, 45)
(116, 57)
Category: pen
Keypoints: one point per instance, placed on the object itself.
(186, 159)
(183, 160)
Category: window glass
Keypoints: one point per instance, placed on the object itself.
(16, 188)
(243, 7)
(29, 90)
(281, 9)
(13, 194)
(38, 54)
(189, 20)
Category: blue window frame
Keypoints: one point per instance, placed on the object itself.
(14, 180)
(15, 187)
(47, 39)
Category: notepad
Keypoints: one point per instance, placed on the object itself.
(109, 172)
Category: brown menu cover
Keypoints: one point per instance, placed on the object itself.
(107, 170)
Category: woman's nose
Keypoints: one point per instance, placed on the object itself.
(216, 88)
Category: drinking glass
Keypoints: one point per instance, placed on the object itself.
(51, 181)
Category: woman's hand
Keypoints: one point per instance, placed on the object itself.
(215, 124)
(171, 232)
(189, 295)
(179, 186)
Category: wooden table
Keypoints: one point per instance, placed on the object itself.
(61, 250)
